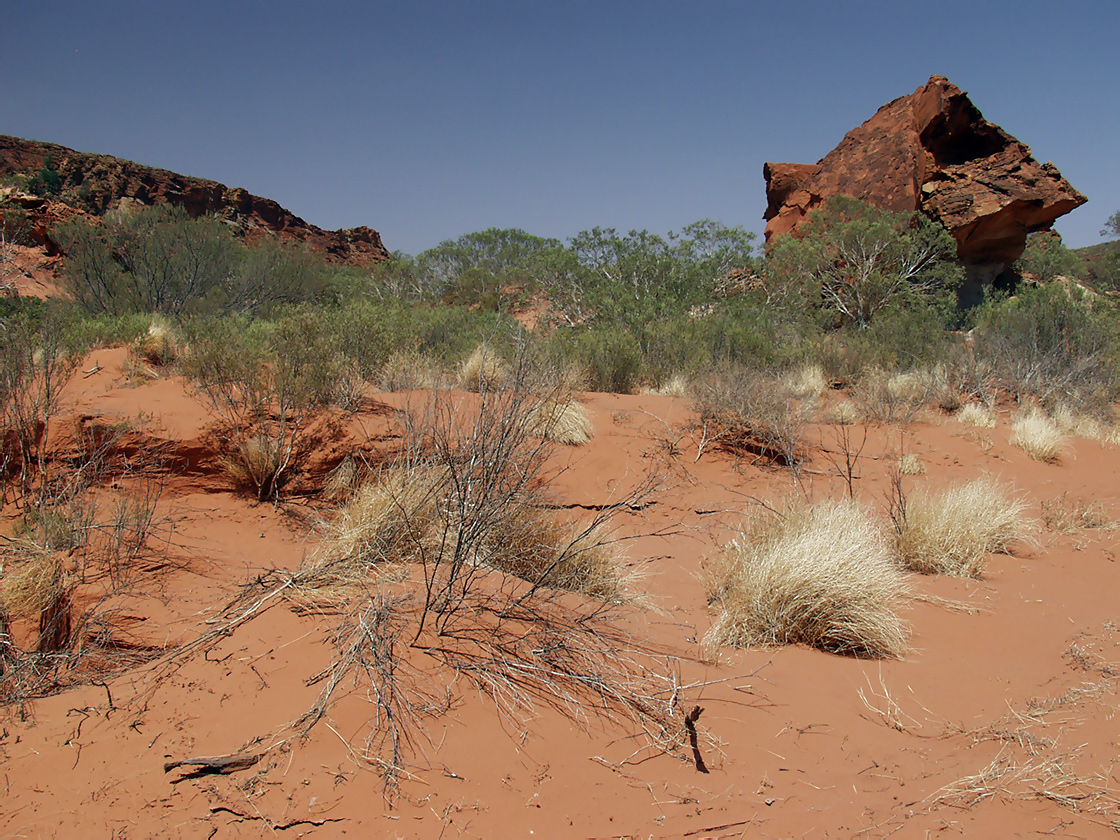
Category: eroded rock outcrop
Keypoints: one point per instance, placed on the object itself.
(94, 183)
(932, 151)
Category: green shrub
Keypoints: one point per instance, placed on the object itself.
(1056, 343)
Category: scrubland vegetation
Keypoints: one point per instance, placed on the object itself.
(499, 332)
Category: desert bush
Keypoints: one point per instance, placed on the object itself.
(860, 261)
(750, 412)
(265, 382)
(611, 356)
(37, 359)
(1038, 436)
(952, 532)
(818, 575)
(1052, 342)
(1046, 257)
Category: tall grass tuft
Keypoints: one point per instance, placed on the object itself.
(953, 532)
(1038, 436)
(819, 575)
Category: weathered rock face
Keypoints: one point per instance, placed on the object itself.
(932, 151)
(94, 183)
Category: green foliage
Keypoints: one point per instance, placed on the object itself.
(491, 269)
(610, 356)
(1047, 257)
(634, 278)
(858, 261)
(1112, 226)
(159, 259)
(265, 381)
(46, 182)
(1057, 343)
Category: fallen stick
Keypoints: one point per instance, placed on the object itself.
(221, 764)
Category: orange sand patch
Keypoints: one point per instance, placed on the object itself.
(1019, 668)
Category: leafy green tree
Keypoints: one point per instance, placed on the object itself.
(160, 259)
(857, 260)
(1112, 226)
(1047, 257)
(634, 277)
(487, 269)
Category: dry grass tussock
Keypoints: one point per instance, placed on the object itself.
(677, 385)
(974, 414)
(911, 464)
(952, 532)
(387, 521)
(484, 370)
(31, 587)
(1038, 436)
(842, 413)
(806, 382)
(819, 575)
(255, 463)
(1084, 426)
(561, 419)
(405, 516)
(894, 398)
(408, 370)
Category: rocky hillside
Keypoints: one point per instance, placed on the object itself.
(92, 184)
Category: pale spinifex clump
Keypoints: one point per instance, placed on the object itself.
(952, 532)
(561, 419)
(911, 464)
(974, 414)
(807, 382)
(843, 413)
(819, 575)
(1083, 426)
(408, 370)
(483, 370)
(1038, 436)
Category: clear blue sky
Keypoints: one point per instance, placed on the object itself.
(428, 120)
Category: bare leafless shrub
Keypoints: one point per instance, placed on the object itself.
(749, 412)
(454, 553)
(819, 575)
(953, 532)
(1068, 513)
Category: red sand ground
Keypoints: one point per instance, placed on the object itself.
(1014, 676)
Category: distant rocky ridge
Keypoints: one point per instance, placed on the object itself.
(932, 151)
(94, 183)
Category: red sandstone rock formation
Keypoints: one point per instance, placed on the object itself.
(94, 183)
(932, 151)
